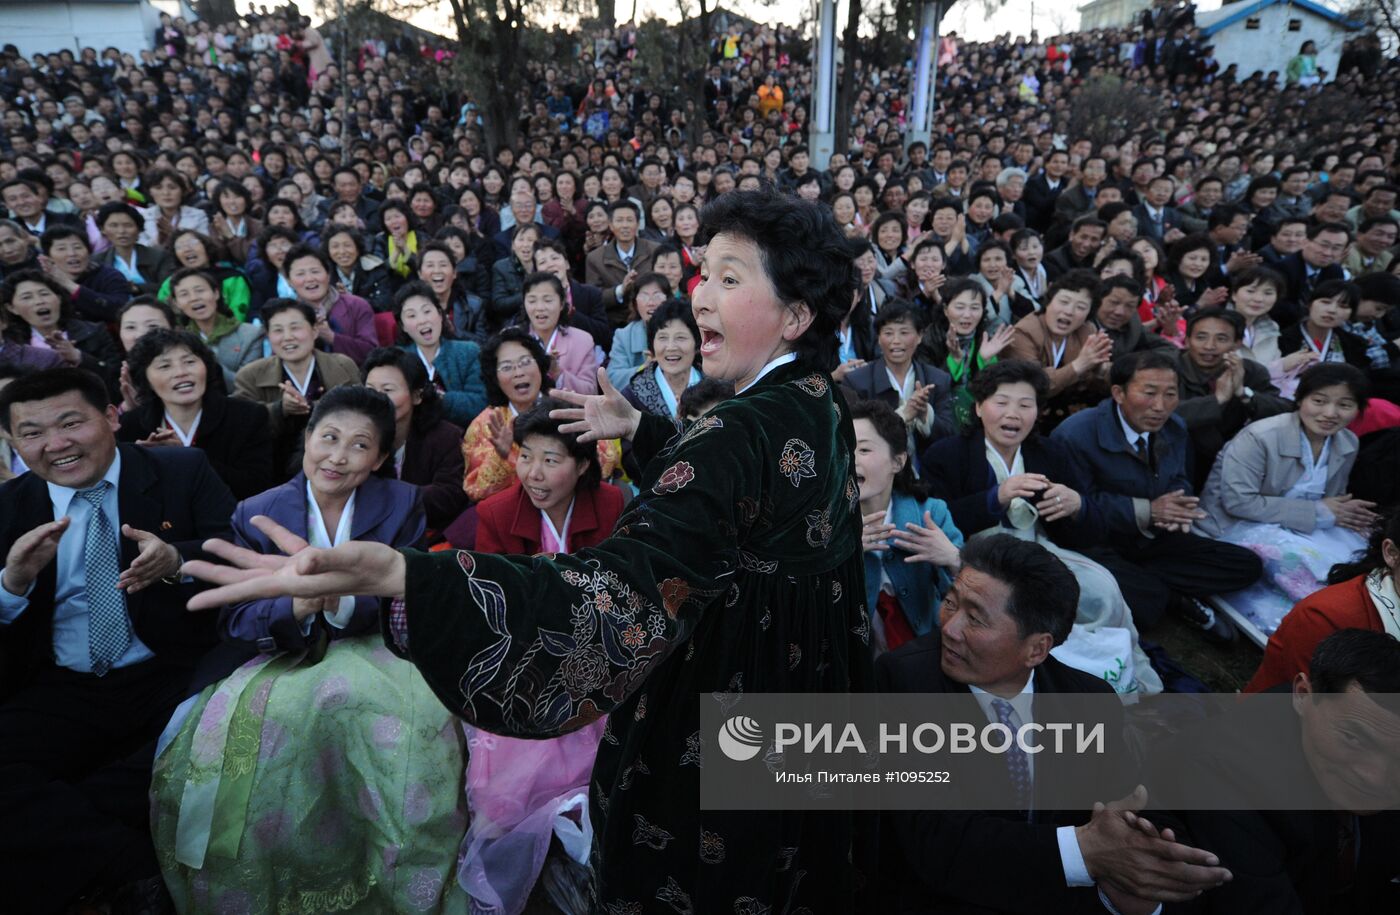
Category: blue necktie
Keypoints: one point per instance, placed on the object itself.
(109, 627)
(1017, 765)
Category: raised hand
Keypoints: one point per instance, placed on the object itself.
(1058, 501)
(993, 342)
(129, 396)
(927, 543)
(501, 432)
(595, 417)
(1176, 511)
(30, 553)
(161, 438)
(65, 348)
(875, 533)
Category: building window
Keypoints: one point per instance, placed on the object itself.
(1252, 23)
(1295, 25)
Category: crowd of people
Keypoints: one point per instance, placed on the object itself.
(1084, 381)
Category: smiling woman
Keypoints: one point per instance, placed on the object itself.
(769, 595)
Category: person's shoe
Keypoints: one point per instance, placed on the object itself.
(1216, 625)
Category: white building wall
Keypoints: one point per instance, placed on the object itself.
(72, 24)
(1272, 45)
(1109, 14)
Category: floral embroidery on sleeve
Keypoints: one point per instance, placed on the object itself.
(797, 462)
(675, 478)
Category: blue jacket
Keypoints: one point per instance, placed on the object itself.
(1117, 475)
(458, 364)
(386, 511)
(918, 586)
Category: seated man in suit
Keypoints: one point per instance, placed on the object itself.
(613, 265)
(1156, 217)
(523, 210)
(1220, 390)
(1332, 752)
(98, 646)
(27, 201)
(1137, 453)
(1011, 603)
(1318, 261)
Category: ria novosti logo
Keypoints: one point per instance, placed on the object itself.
(741, 738)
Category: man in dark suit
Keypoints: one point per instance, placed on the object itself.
(1085, 238)
(349, 188)
(717, 87)
(1156, 217)
(1136, 452)
(1318, 261)
(27, 201)
(612, 266)
(1011, 603)
(1044, 189)
(1332, 752)
(98, 646)
(523, 208)
(1082, 198)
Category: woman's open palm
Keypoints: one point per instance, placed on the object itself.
(356, 567)
(595, 417)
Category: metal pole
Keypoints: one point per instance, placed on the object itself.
(344, 84)
(824, 87)
(925, 74)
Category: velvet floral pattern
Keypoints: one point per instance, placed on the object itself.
(737, 568)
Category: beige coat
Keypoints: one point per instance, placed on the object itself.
(261, 381)
(1258, 466)
(1031, 342)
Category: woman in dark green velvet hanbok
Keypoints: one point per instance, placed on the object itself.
(737, 569)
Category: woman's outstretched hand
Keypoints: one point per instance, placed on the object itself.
(595, 417)
(304, 572)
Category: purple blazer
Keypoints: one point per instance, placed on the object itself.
(386, 511)
(352, 319)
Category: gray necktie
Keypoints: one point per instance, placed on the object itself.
(109, 627)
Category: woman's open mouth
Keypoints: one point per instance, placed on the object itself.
(710, 342)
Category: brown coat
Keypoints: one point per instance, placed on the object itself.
(606, 270)
(261, 381)
(1031, 342)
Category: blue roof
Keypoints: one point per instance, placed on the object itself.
(1245, 10)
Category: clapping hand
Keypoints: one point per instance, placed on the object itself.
(155, 559)
(927, 543)
(1176, 511)
(916, 407)
(293, 403)
(1353, 513)
(1022, 486)
(64, 347)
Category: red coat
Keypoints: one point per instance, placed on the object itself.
(1315, 617)
(509, 523)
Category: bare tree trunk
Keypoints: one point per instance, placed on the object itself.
(216, 12)
(607, 12)
(846, 86)
(495, 58)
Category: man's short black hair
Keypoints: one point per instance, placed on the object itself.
(1044, 593)
(1125, 367)
(52, 383)
(1229, 316)
(1369, 659)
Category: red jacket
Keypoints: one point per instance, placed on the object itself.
(1315, 617)
(509, 523)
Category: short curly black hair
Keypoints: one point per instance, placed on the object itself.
(805, 254)
(490, 358)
